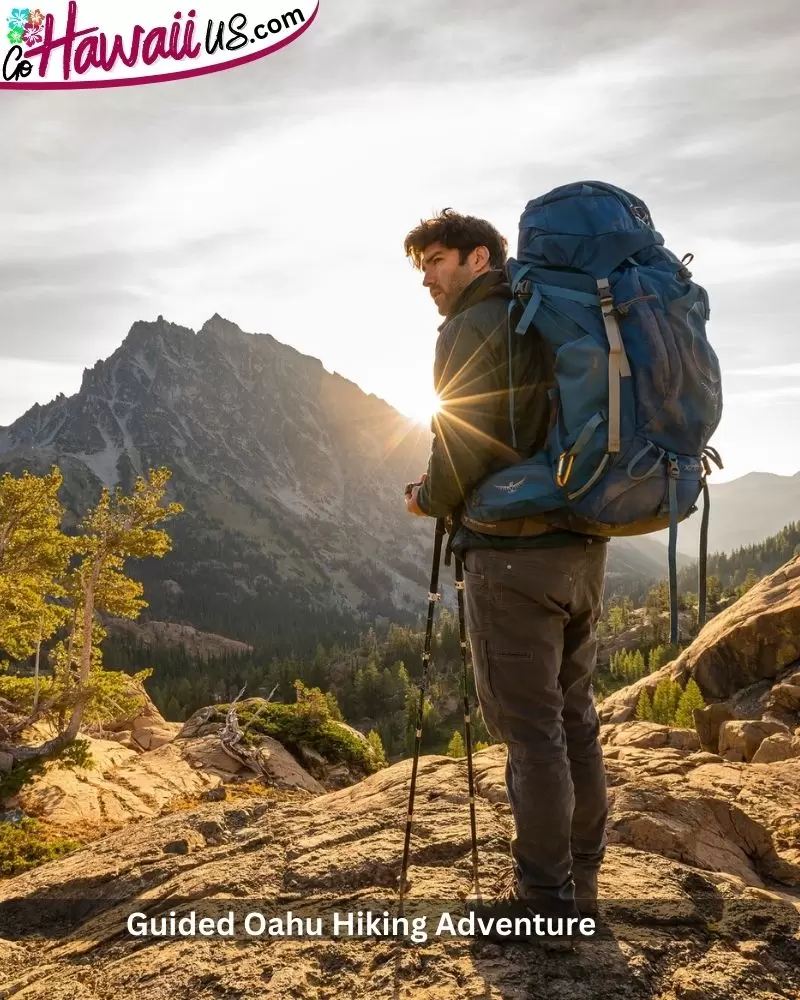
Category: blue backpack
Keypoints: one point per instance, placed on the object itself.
(637, 391)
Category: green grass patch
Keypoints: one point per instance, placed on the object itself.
(27, 845)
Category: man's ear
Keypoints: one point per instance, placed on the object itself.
(481, 258)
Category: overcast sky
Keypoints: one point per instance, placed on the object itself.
(279, 193)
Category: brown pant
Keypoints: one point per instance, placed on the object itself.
(532, 616)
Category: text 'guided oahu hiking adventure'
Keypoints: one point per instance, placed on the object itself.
(89, 44)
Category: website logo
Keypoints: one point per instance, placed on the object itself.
(96, 44)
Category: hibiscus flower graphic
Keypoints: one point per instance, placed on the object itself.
(35, 18)
(33, 34)
(19, 18)
(15, 36)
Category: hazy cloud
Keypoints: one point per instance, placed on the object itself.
(278, 194)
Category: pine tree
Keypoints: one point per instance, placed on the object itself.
(690, 699)
(455, 748)
(34, 554)
(750, 580)
(118, 527)
(675, 694)
(662, 702)
(644, 707)
(616, 619)
(376, 745)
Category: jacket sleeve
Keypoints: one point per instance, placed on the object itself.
(465, 446)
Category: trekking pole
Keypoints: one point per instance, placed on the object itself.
(462, 633)
(433, 597)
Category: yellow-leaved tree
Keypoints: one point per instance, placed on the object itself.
(117, 528)
(34, 555)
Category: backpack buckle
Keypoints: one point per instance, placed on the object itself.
(604, 292)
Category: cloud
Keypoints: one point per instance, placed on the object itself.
(776, 395)
(48, 380)
(769, 371)
(279, 193)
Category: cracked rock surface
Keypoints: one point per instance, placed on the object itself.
(699, 894)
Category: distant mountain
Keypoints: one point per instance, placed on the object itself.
(743, 512)
(291, 477)
(638, 560)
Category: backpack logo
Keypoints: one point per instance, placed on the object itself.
(511, 487)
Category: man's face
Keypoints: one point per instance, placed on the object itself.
(446, 276)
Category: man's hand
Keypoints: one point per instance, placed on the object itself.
(412, 489)
(411, 502)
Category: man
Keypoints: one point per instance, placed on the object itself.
(532, 602)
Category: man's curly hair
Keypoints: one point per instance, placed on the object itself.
(457, 232)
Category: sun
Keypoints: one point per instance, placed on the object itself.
(423, 406)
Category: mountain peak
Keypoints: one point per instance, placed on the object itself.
(220, 327)
(144, 332)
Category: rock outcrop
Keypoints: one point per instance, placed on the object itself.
(146, 729)
(746, 662)
(122, 787)
(696, 897)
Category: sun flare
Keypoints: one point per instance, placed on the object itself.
(423, 406)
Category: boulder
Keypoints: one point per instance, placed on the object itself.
(707, 722)
(779, 746)
(739, 655)
(210, 755)
(202, 717)
(785, 696)
(739, 739)
(649, 734)
(151, 737)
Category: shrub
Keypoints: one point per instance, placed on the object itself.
(307, 721)
(26, 845)
(455, 748)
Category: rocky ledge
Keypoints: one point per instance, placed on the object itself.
(699, 892)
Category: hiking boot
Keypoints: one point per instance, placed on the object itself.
(585, 891)
(544, 913)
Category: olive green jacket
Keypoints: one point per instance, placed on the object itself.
(472, 430)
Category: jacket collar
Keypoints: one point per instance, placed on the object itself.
(491, 283)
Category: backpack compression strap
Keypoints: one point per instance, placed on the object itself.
(618, 365)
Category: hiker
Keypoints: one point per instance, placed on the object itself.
(532, 600)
